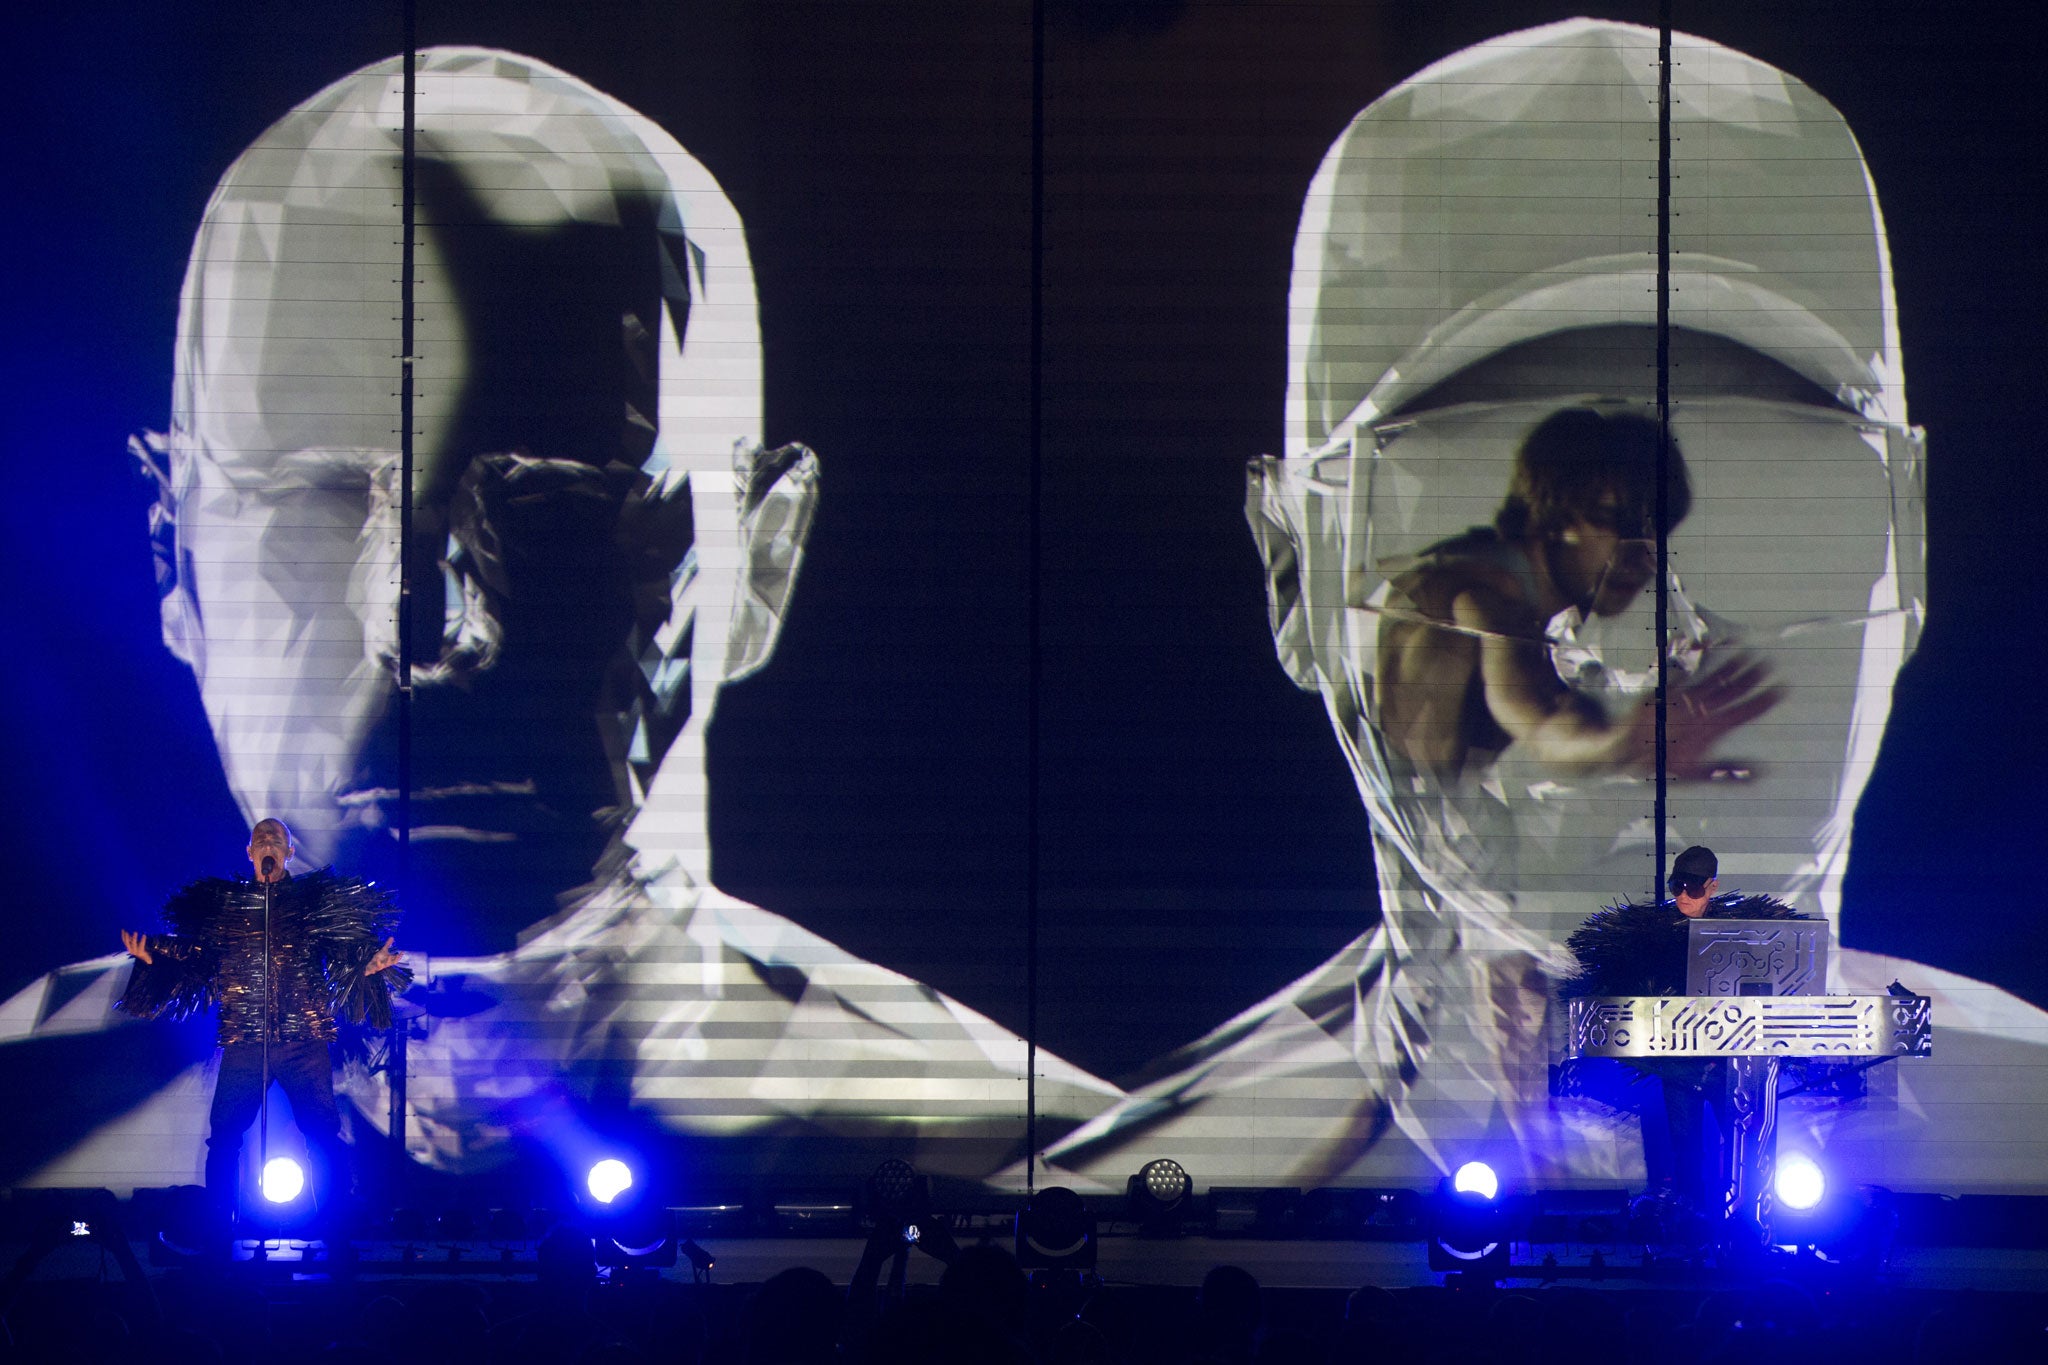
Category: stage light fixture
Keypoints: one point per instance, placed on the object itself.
(633, 1232)
(1858, 1228)
(1157, 1197)
(608, 1179)
(1477, 1179)
(618, 1211)
(891, 1186)
(1799, 1182)
(700, 1261)
(645, 1242)
(1164, 1180)
(1468, 1228)
(1055, 1232)
(895, 1194)
(283, 1180)
(1855, 1225)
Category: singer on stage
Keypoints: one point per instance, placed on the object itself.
(277, 1007)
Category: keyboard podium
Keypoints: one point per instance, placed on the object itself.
(1738, 1013)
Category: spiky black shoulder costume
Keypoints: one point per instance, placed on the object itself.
(323, 928)
(1638, 949)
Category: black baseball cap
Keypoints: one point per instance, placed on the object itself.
(1695, 867)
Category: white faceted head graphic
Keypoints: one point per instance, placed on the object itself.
(1478, 252)
(612, 542)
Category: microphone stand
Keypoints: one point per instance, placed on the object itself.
(263, 1105)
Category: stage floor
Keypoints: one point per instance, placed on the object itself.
(1129, 1260)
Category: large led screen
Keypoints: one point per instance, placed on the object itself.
(1027, 587)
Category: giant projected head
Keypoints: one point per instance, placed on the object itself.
(599, 539)
(1477, 254)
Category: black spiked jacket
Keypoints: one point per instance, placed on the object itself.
(324, 929)
(1637, 949)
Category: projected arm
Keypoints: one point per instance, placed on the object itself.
(1465, 669)
(1532, 705)
(1468, 670)
(1525, 696)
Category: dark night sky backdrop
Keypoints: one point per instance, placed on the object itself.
(1199, 842)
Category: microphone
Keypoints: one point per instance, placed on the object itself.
(269, 867)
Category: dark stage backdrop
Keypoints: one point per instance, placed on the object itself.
(1028, 284)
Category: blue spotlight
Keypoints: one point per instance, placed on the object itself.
(282, 1180)
(1468, 1231)
(1477, 1179)
(609, 1179)
(1799, 1182)
(629, 1225)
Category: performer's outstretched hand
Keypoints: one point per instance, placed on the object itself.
(384, 958)
(136, 944)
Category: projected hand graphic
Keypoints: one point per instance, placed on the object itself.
(1703, 713)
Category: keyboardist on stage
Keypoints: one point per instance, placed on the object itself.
(1638, 949)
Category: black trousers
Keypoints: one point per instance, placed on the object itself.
(305, 1072)
(1686, 1126)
